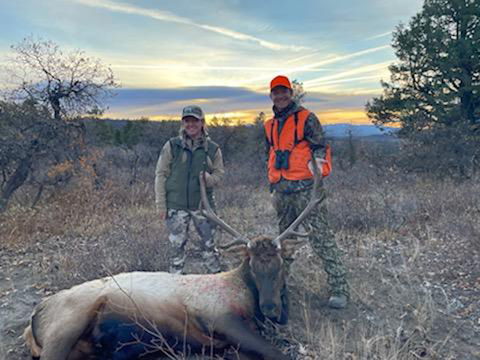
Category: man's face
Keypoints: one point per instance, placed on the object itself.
(193, 126)
(281, 97)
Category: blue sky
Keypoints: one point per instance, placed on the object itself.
(221, 54)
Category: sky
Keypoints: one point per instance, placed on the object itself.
(222, 54)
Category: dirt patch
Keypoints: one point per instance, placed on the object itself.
(20, 291)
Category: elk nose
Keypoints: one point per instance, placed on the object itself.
(268, 309)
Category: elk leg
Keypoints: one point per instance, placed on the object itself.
(240, 335)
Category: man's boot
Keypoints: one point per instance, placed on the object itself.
(337, 301)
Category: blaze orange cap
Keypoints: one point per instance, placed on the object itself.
(280, 80)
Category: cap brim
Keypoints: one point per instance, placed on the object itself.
(192, 115)
(277, 86)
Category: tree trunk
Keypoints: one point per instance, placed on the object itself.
(17, 179)
(467, 102)
(55, 102)
(37, 197)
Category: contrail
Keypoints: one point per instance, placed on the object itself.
(171, 17)
(328, 61)
(345, 74)
(379, 36)
(358, 78)
(205, 67)
(315, 53)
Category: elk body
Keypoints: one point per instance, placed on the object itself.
(127, 315)
(144, 314)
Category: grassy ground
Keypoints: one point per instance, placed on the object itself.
(411, 243)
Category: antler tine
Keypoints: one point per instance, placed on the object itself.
(240, 241)
(301, 234)
(314, 200)
(210, 214)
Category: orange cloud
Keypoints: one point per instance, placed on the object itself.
(335, 116)
(327, 117)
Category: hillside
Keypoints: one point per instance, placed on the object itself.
(412, 253)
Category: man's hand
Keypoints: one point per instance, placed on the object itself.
(320, 163)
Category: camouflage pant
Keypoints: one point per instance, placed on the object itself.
(178, 222)
(288, 207)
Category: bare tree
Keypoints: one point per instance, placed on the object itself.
(40, 131)
(35, 149)
(68, 84)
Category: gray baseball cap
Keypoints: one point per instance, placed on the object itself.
(193, 110)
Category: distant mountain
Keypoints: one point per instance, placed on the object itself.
(333, 130)
(343, 130)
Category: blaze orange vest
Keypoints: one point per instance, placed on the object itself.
(292, 138)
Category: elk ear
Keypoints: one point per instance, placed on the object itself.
(241, 250)
(289, 246)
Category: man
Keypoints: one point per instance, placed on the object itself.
(177, 187)
(294, 138)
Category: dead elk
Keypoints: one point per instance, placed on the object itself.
(141, 314)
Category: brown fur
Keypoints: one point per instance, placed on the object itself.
(82, 350)
(75, 337)
(35, 349)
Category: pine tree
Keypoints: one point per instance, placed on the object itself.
(437, 80)
(434, 89)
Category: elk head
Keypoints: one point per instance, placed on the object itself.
(266, 255)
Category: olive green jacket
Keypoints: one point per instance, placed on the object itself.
(176, 176)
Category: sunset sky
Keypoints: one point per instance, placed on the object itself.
(221, 54)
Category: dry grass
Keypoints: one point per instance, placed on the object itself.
(411, 244)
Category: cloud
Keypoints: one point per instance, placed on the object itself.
(347, 74)
(338, 58)
(297, 59)
(336, 116)
(356, 80)
(214, 99)
(328, 61)
(236, 103)
(345, 100)
(379, 36)
(205, 67)
(171, 17)
(207, 92)
(187, 67)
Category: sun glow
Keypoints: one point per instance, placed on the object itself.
(327, 117)
(334, 116)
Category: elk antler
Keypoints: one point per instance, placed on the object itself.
(210, 214)
(314, 200)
